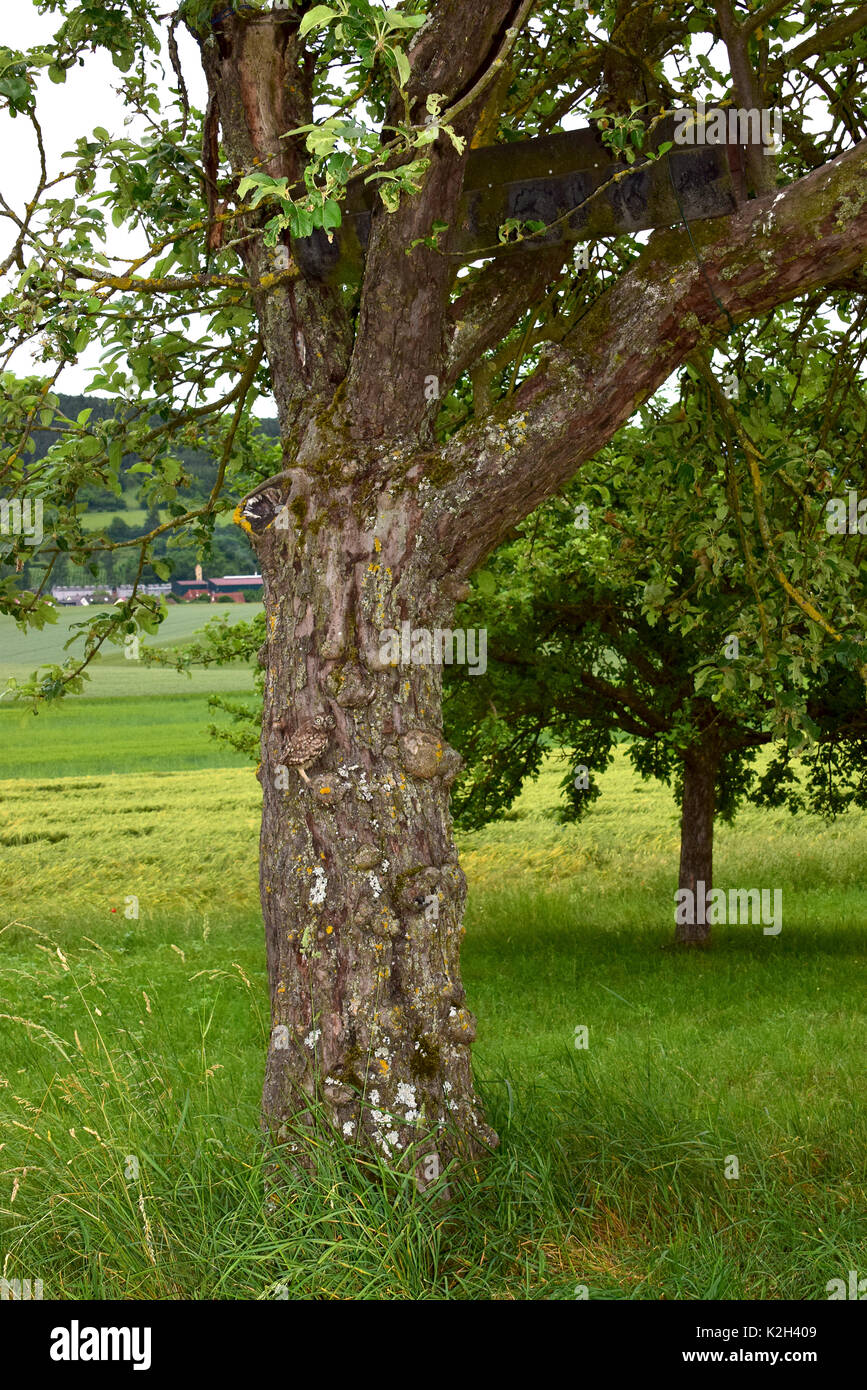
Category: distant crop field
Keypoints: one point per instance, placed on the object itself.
(127, 734)
(112, 674)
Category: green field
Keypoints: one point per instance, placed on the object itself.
(93, 519)
(112, 673)
(123, 735)
(146, 1036)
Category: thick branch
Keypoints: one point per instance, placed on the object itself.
(404, 299)
(635, 336)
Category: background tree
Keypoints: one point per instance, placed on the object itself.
(623, 609)
(424, 410)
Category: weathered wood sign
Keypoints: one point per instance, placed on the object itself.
(571, 183)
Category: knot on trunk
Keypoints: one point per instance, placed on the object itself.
(461, 1025)
(426, 755)
(350, 687)
(419, 887)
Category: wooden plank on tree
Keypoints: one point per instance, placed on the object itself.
(553, 179)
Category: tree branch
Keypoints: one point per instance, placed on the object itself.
(680, 291)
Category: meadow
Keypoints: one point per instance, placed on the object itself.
(112, 673)
(131, 1053)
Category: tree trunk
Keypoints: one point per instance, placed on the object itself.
(361, 888)
(700, 768)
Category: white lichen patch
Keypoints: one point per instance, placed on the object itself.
(313, 1037)
(406, 1095)
(318, 887)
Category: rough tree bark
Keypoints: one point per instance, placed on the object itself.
(369, 524)
(698, 808)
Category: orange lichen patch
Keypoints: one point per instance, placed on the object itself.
(324, 791)
(328, 930)
(241, 520)
(377, 544)
(383, 1065)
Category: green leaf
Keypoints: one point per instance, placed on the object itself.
(390, 195)
(317, 18)
(397, 20)
(403, 69)
(331, 215)
(301, 221)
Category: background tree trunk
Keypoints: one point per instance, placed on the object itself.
(700, 768)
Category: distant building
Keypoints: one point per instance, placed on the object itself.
(125, 590)
(189, 588)
(82, 594)
(234, 586)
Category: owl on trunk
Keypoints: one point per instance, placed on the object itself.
(302, 747)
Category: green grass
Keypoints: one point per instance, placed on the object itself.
(112, 674)
(81, 736)
(134, 516)
(147, 1036)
